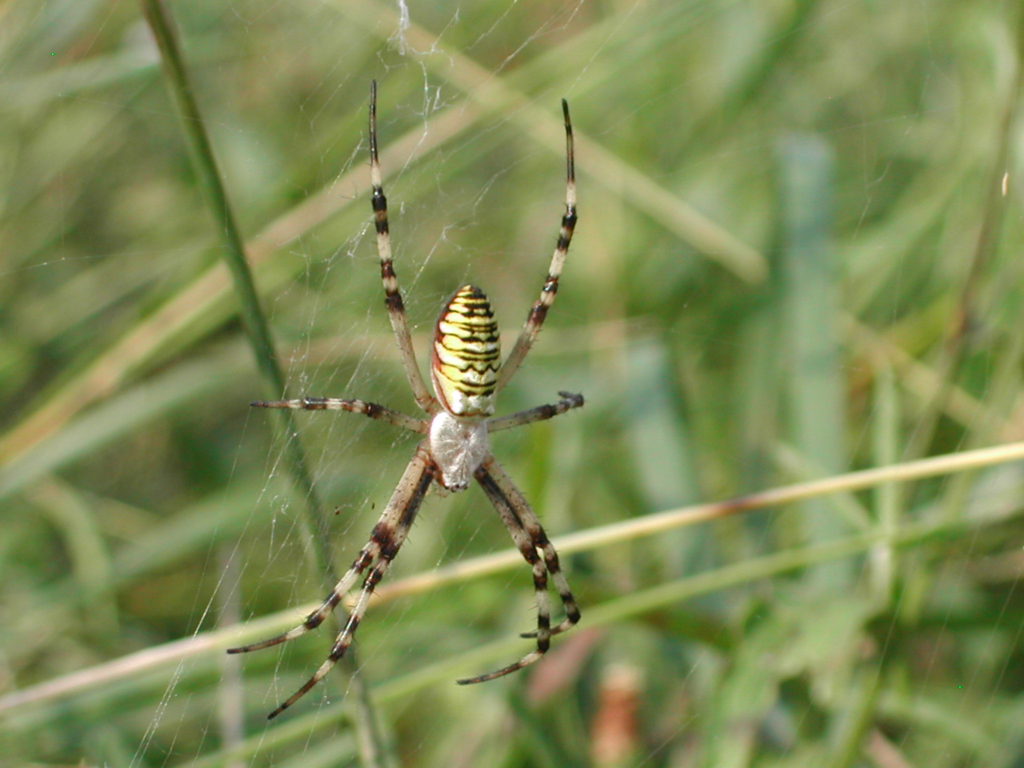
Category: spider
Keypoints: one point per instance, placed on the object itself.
(467, 374)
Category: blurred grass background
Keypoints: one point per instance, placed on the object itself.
(797, 256)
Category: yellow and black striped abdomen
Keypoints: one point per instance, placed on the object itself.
(467, 354)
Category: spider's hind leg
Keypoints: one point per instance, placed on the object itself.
(392, 293)
(539, 311)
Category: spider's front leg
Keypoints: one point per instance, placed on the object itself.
(388, 536)
(541, 541)
(537, 550)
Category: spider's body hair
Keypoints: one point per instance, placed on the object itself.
(458, 447)
(466, 356)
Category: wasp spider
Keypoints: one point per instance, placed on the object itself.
(467, 375)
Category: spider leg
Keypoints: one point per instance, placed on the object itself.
(388, 536)
(392, 294)
(540, 413)
(511, 516)
(372, 410)
(539, 311)
(541, 541)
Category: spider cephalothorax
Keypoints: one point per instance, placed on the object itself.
(467, 374)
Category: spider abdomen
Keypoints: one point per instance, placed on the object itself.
(466, 357)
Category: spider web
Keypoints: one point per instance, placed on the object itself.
(782, 207)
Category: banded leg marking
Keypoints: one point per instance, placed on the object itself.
(373, 410)
(392, 293)
(387, 538)
(540, 540)
(540, 413)
(540, 308)
(511, 517)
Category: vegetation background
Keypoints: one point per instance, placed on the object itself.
(798, 256)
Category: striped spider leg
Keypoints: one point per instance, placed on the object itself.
(466, 374)
(537, 550)
(392, 294)
(539, 310)
(387, 537)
